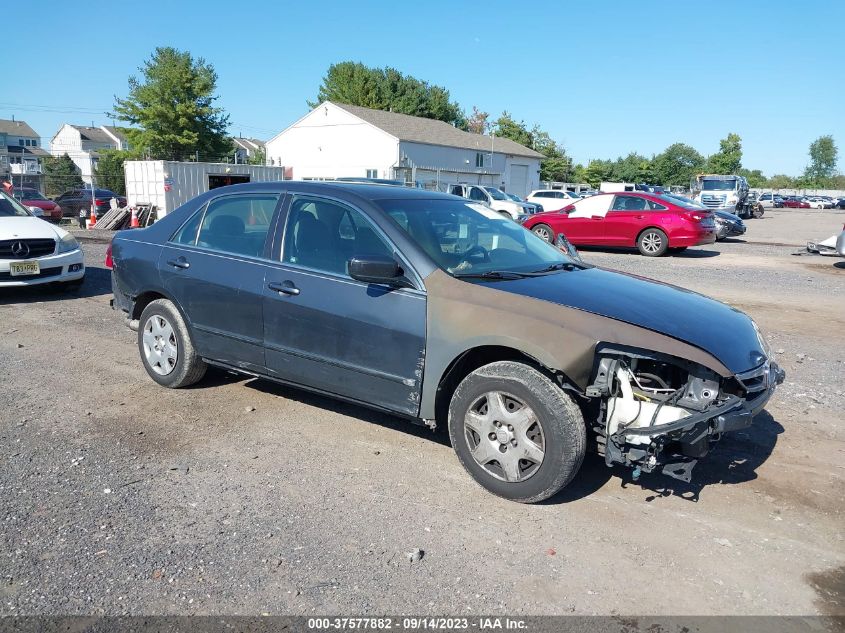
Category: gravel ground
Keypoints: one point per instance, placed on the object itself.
(244, 497)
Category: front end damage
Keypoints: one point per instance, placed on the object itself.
(661, 413)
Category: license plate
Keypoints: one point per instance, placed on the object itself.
(24, 268)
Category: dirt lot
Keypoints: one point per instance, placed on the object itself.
(118, 496)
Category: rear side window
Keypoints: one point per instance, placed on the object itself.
(234, 224)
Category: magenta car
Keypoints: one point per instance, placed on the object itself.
(653, 223)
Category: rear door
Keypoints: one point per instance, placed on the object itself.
(329, 332)
(627, 216)
(214, 268)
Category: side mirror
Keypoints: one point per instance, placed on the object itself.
(568, 249)
(375, 269)
(568, 208)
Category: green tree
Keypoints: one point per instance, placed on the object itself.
(354, 83)
(676, 165)
(172, 106)
(60, 174)
(109, 171)
(598, 171)
(508, 127)
(781, 181)
(258, 157)
(823, 157)
(728, 160)
(633, 168)
(754, 177)
(478, 121)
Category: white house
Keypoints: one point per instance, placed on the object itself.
(247, 148)
(336, 140)
(82, 144)
(20, 154)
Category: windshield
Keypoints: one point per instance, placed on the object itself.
(9, 207)
(495, 193)
(681, 201)
(29, 194)
(718, 185)
(469, 238)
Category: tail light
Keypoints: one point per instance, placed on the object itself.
(109, 260)
(698, 217)
(99, 202)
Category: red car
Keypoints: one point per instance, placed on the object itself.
(33, 198)
(795, 202)
(654, 223)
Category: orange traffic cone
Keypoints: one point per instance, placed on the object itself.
(93, 220)
(134, 224)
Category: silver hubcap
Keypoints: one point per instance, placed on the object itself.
(543, 233)
(504, 436)
(160, 347)
(652, 242)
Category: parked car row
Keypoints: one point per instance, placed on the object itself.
(769, 200)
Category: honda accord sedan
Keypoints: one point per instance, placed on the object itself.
(34, 252)
(653, 223)
(437, 309)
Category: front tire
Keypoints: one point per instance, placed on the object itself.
(653, 243)
(544, 232)
(165, 346)
(516, 432)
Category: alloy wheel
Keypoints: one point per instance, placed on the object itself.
(652, 242)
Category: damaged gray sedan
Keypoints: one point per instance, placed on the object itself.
(437, 309)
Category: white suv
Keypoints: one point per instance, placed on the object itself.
(493, 198)
(552, 199)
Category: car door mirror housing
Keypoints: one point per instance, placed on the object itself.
(375, 269)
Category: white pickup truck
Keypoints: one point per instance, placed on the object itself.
(493, 198)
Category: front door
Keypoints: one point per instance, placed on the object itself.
(214, 268)
(585, 223)
(327, 331)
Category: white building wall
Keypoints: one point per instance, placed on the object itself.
(438, 166)
(67, 141)
(331, 143)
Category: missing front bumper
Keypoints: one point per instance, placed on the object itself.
(674, 448)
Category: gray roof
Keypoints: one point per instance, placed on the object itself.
(17, 128)
(432, 132)
(98, 135)
(247, 143)
(116, 131)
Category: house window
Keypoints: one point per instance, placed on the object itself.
(20, 142)
(372, 173)
(479, 159)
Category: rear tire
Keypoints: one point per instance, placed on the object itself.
(653, 243)
(164, 343)
(544, 232)
(540, 433)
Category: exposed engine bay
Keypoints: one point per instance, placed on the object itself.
(662, 413)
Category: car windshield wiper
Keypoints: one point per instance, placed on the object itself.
(492, 274)
(558, 266)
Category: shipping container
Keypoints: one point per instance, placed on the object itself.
(169, 184)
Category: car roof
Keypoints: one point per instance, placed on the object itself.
(366, 190)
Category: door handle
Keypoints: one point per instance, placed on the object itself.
(597, 217)
(639, 217)
(285, 288)
(179, 262)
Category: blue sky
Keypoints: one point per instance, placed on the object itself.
(602, 78)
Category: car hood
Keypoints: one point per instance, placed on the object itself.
(29, 228)
(724, 332)
(47, 205)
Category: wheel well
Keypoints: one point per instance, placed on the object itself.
(477, 357)
(648, 228)
(143, 300)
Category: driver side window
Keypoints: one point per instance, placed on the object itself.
(324, 235)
